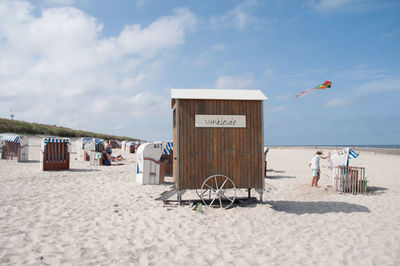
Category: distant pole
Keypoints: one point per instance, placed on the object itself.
(11, 114)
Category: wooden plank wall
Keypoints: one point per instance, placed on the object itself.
(234, 152)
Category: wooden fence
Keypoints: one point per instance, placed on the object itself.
(350, 179)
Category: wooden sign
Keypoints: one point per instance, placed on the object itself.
(225, 121)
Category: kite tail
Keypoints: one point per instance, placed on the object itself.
(301, 93)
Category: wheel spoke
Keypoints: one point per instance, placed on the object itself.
(213, 200)
(210, 187)
(204, 195)
(218, 190)
(227, 197)
(230, 199)
(223, 184)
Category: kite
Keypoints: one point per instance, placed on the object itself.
(323, 86)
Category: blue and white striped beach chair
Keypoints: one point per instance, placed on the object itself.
(14, 147)
(55, 154)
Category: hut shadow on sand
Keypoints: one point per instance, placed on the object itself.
(376, 190)
(279, 176)
(316, 207)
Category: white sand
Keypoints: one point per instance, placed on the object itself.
(100, 216)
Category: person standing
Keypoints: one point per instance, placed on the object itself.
(315, 167)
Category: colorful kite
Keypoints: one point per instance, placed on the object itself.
(323, 86)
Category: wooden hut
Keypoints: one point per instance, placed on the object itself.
(14, 147)
(218, 142)
(55, 154)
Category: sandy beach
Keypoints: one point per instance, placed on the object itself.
(96, 215)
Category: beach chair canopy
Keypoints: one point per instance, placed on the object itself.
(352, 154)
(47, 140)
(10, 138)
(133, 143)
(168, 148)
(98, 141)
(85, 140)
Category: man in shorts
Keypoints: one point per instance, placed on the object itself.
(315, 167)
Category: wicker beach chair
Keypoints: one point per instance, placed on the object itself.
(14, 147)
(55, 154)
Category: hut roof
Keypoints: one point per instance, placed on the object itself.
(218, 94)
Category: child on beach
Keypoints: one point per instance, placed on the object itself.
(315, 167)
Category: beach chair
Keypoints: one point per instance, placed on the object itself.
(346, 178)
(55, 154)
(167, 157)
(131, 146)
(14, 147)
(95, 148)
(266, 150)
(148, 164)
(115, 144)
(81, 148)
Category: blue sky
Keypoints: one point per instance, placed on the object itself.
(108, 66)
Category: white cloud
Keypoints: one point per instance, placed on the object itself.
(58, 68)
(218, 47)
(392, 33)
(329, 6)
(208, 56)
(239, 17)
(336, 102)
(235, 82)
(60, 2)
(280, 108)
(284, 96)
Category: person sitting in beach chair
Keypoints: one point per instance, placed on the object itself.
(107, 155)
(107, 158)
(117, 158)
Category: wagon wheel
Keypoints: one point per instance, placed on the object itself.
(222, 191)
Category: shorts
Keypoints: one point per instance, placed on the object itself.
(315, 172)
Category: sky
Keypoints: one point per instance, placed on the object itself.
(109, 66)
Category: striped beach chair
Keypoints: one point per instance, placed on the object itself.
(346, 178)
(55, 154)
(132, 146)
(166, 157)
(14, 147)
(95, 148)
(81, 148)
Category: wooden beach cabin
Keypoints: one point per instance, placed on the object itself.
(218, 143)
(14, 147)
(55, 154)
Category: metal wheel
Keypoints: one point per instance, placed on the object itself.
(218, 188)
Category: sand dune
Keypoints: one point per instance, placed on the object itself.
(93, 215)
